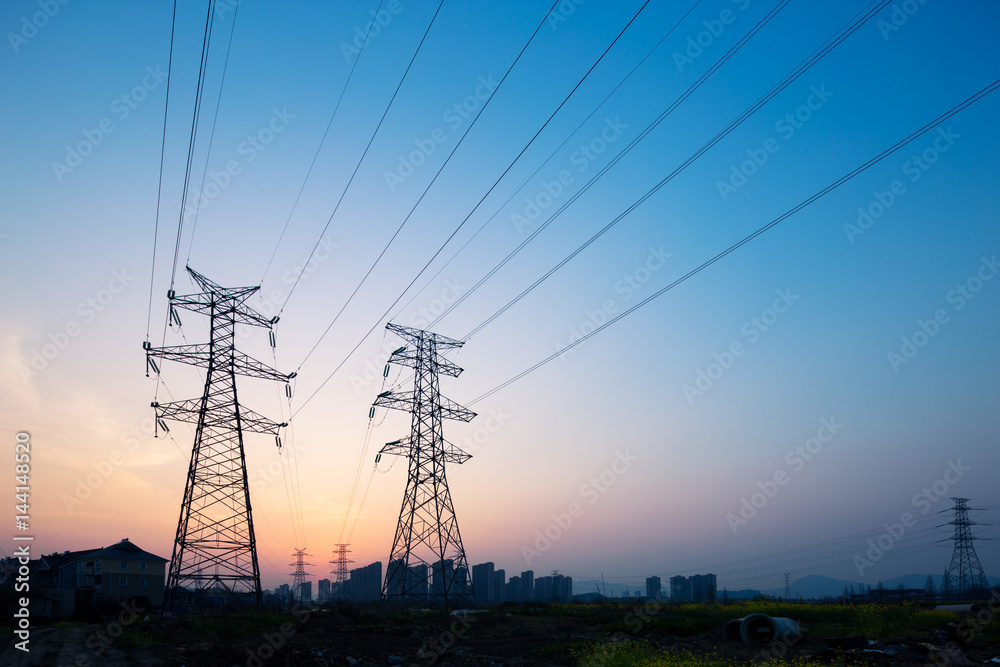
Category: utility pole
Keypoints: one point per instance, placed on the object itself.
(341, 571)
(300, 574)
(968, 582)
(427, 534)
(215, 551)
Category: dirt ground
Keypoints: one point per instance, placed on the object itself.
(352, 637)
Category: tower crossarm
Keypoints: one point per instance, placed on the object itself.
(406, 401)
(402, 447)
(411, 357)
(414, 335)
(231, 303)
(190, 411)
(200, 354)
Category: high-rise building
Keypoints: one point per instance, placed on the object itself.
(653, 587)
(483, 584)
(364, 583)
(512, 591)
(543, 589)
(442, 571)
(527, 591)
(416, 580)
(500, 586)
(306, 594)
(698, 588)
(323, 590)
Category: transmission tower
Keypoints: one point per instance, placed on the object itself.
(427, 534)
(788, 587)
(341, 571)
(300, 574)
(215, 551)
(968, 582)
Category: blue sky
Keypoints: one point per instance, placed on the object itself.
(848, 298)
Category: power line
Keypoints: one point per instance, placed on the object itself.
(351, 180)
(159, 187)
(621, 154)
(875, 160)
(320, 147)
(211, 137)
(548, 159)
(465, 134)
(206, 40)
(846, 31)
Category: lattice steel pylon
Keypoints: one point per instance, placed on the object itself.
(968, 581)
(300, 574)
(215, 550)
(427, 535)
(341, 572)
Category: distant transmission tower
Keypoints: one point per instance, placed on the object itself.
(215, 551)
(427, 534)
(300, 574)
(968, 582)
(788, 587)
(341, 571)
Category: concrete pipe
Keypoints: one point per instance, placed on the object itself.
(961, 609)
(731, 631)
(763, 629)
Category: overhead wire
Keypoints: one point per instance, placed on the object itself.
(196, 113)
(620, 155)
(159, 187)
(365, 443)
(351, 180)
(547, 160)
(319, 148)
(846, 31)
(211, 137)
(455, 231)
(784, 216)
(461, 139)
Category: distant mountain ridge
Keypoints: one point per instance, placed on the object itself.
(818, 586)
